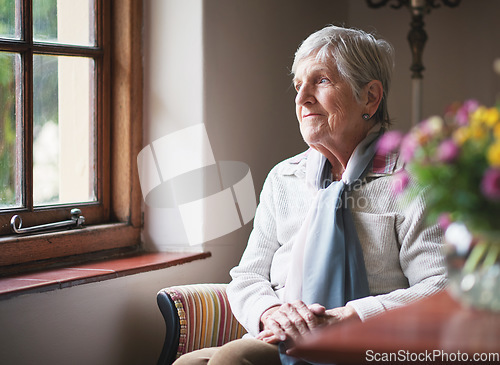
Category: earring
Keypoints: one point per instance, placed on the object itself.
(366, 116)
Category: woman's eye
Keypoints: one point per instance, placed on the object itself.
(297, 87)
(323, 80)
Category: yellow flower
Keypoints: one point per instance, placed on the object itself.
(461, 135)
(491, 117)
(477, 132)
(485, 116)
(496, 131)
(478, 116)
(494, 154)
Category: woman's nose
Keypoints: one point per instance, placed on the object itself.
(304, 95)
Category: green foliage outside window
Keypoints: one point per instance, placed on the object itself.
(45, 90)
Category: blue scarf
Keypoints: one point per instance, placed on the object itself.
(334, 272)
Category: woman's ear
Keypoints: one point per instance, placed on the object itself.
(374, 93)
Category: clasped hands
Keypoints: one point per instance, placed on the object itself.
(291, 321)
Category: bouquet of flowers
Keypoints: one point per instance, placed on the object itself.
(457, 158)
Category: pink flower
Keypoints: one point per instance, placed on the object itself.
(389, 142)
(448, 151)
(408, 146)
(490, 186)
(400, 182)
(462, 116)
(444, 220)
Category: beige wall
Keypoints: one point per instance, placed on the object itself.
(239, 87)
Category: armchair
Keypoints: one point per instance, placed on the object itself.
(196, 316)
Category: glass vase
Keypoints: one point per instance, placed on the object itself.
(474, 267)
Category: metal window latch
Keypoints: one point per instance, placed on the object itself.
(76, 221)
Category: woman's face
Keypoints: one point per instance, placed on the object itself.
(327, 110)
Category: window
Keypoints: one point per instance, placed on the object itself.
(70, 124)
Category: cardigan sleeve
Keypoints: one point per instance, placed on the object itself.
(250, 292)
(422, 262)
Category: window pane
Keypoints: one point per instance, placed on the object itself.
(10, 19)
(64, 21)
(10, 131)
(63, 130)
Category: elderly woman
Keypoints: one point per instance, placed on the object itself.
(330, 242)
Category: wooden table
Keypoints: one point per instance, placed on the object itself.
(434, 330)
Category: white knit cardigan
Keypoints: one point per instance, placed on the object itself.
(403, 256)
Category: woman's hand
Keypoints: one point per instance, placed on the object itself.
(291, 321)
(339, 314)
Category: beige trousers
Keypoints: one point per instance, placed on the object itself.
(238, 352)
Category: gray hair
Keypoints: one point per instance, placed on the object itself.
(358, 56)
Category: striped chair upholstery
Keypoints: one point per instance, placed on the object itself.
(196, 316)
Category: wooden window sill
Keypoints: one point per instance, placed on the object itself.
(73, 275)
